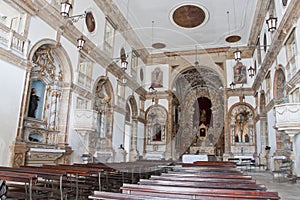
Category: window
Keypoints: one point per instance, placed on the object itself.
(84, 70)
(291, 52)
(291, 48)
(109, 36)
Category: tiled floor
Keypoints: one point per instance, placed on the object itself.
(286, 190)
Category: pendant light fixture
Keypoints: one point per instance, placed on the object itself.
(272, 23)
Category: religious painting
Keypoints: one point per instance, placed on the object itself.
(90, 22)
(240, 73)
(157, 78)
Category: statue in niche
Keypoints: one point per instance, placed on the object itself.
(203, 116)
(247, 138)
(157, 132)
(33, 103)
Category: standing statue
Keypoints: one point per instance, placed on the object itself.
(33, 103)
(203, 116)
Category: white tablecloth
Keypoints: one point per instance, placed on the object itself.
(189, 158)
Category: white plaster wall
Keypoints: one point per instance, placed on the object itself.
(118, 130)
(11, 88)
(97, 36)
(39, 30)
(232, 100)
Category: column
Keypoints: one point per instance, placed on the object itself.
(133, 144)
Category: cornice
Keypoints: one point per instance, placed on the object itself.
(15, 60)
(83, 92)
(240, 91)
(259, 20)
(270, 105)
(292, 83)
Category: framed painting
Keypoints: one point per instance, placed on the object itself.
(240, 73)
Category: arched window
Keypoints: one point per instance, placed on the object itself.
(35, 137)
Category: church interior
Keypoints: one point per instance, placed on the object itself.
(129, 81)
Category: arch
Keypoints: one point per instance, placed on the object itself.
(62, 56)
(187, 132)
(104, 80)
(214, 67)
(55, 94)
(157, 118)
(242, 127)
(133, 105)
(101, 140)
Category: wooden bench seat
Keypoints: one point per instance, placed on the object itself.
(205, 184)
(196, 193)
(210, 164)
(122, 196)
(208, 175)
(196, 179)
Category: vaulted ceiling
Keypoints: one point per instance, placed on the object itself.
(177, 25)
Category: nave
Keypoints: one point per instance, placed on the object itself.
(145, 180)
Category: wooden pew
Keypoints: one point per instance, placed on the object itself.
(47, 179)
(21, 180)
(195, 193)
(210, 164)
(204, 184)
(207, 175)
(196, 179)
(109, 196)
(73, 184)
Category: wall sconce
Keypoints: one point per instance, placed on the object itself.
(152, 91)
(80, 43)
(232, 85)
(272, 23)
(65, 10)
(237, 55)
(251, 71)
(123, 59)
(124, 62)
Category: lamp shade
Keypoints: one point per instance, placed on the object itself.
(251, 71)
(80, 42)
(272, 23)
(124, 64)
(237, 55)
(232, 85)
(65, 9)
